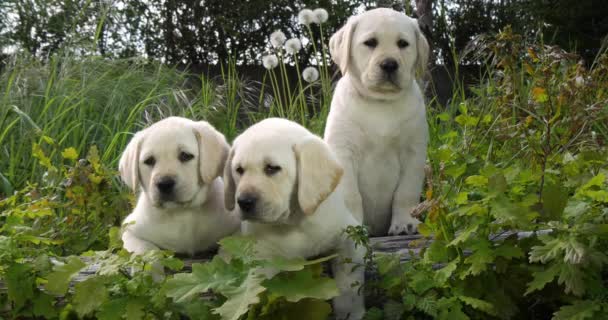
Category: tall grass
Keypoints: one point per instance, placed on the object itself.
(79, 102)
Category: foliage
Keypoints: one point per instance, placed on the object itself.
(526, 152)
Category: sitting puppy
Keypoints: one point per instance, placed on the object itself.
(284, 178)
(177, 164)
(377, 122)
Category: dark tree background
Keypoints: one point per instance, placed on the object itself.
(208, 32)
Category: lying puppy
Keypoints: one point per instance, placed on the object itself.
(177, 164)
(284, 178)
(377, 122)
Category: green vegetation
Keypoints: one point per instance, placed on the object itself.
(525, 150)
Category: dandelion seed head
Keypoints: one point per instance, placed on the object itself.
(270, 61)
(310, 74)
(306, 17)
(293, 45)
(320, 15)
(277, 39)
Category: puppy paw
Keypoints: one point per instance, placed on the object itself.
(404, 225)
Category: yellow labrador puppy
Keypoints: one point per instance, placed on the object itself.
(177, 163)
(283, 179)
(377, 123)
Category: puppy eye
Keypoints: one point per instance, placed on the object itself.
(402, 43)
(185, 156)
(150, 161)
(372, 43)
(240, 170)
(271, 170)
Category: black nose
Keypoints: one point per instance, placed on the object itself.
(165, 185)
(247, 203)
(389, 65)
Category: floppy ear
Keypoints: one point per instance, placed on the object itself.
(318, 173)
(212, 150)
(229, 187)
(340, 42)
(422, 46)
(129, 162)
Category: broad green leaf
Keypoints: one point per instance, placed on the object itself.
(307, 309)
(59, 280)
(112, 309)
(464, 235)
(466, 120)
(20, 282)
(216, 274)
(239, 299)
(135, 310)
(476, 181)
(580, 310)
(462, 198)
(479, 304)
(393, 310)
(424, 230)
(497, 184)
(436, 252)
(174, 264)
(374, 313)
(479, 260)
(541, 278)
(508, 251)
(240, 247)
(551, 249)
(573, 279)
(444, 116)
(283, 264)
(505, 211)
(44, 306)
(421, 282)
(442, 275)
(89, 295)
(295, 286)
(456, 171)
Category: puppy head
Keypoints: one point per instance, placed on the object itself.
(173, 160)
(277, 169)
(382, 50)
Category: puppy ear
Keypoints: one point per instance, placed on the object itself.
(318, 173)
(129, 162)
(229, 186)
(340, 42)
(422, 46)
(212, 149)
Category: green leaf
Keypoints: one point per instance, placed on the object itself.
(239, 299)
(462, 198)
(173, 263)
(424, 230)
(539, 94)
(476, 181)
(505, 211)
(44, 306)
(554, 198)
(135, 310)
(552, 248)
(374, 313)
(541, 278)
(573, 278)
(239, 247)
(436, 252)
(456, 171)
(20, 282)
(307, 309)
(421, 282)
(112, 309)
(59, 279)
(497, 184)
(508, 251)
(295, 286)
(480, 258)
(479, 304)
(216, 274)
(393, 310)
(89, 295)
(464, 235)
(580, 310)
(442, 275)
(283, 264)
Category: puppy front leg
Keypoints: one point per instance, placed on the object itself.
(349, 186)
(407, 194)
(350, 304)
(136, 245)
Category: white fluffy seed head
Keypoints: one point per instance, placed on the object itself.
(293, 45)
(277, 39)
(310, 74)
(306, 17)
(320, 15)
(270, 61)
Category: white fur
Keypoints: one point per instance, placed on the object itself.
(193, 219)
(300, 213)
(377, 123)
